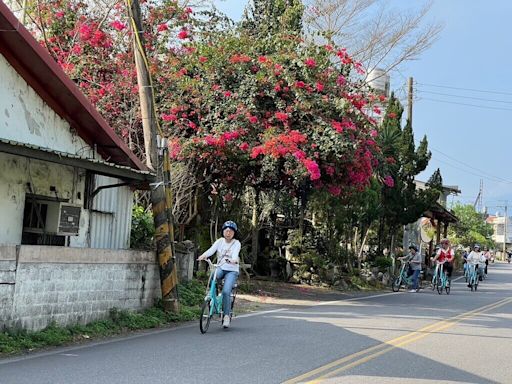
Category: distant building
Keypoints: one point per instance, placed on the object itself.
(498, 226)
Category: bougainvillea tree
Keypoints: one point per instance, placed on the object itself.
(285, 119)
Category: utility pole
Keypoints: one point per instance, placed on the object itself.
(409, 100)
(505, 233)
(160, 200)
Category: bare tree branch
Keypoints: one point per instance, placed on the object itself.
(374, 34)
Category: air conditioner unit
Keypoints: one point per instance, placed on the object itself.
(63, 219)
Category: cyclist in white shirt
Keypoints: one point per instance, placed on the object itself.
(227, 249)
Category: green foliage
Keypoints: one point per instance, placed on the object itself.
(191, 293)
(383, 262)
(471, 228)
(143, 229)
(403, 203)
(119, 321)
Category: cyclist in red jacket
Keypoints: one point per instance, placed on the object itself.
(445, 255)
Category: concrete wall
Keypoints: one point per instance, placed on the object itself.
(26, 118)
(69, 285)
(15, 173)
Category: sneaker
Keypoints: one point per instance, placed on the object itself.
(226, 322)
(413, 290)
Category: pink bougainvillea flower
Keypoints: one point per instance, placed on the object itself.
(169, 117)
(117, 25)
(203, 59)
(341, 81)
(253, 119)
(319, 87)
(183, 34)
(392, 115)
(263, 59)
(376, 110)
(334, 190)
(281, 116)
(227, 94)
(164, 27)
(310, 62)
(59, 15)
(244, 146)
(313, 169)
(388, 180)
(300, 84)
(337, 126)
(373, 133)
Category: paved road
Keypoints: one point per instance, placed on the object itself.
(386, 338)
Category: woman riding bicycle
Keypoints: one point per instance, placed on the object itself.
(414, 259)
(445, 255)
(227, 249)
(476, 259)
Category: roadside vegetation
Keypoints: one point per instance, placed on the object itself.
(13, 341)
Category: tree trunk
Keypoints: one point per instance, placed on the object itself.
(255, 228)
(363, 243)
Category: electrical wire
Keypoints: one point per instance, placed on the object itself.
(465, 89)
(471, 166)
(146, 63)
(465, 104)
(465, 97)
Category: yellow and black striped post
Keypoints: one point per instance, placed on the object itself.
(160, 201)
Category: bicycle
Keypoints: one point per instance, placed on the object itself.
(440, 280)
(212, 304)
(473, 277)
(466, 272)
(402, 279)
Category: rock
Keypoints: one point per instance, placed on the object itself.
(306, 276)
(315, 278)
(294, 279)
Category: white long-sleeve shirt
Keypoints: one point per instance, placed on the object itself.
(475, 258)
(226, 250)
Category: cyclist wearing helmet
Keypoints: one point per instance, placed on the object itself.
(227, 249)
(414, 259)
(445, 255)
(477, 259)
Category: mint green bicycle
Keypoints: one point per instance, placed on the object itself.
(212, 305)
(440, 280)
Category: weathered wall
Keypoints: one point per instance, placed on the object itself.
(15, 173)
(71, 285)
(26, 118)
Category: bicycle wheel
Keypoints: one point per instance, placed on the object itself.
(395, 286)
(448, 287)
(204, 320)
(439, 286)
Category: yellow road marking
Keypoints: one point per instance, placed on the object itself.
(373, 352)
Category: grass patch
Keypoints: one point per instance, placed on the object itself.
(14, 341)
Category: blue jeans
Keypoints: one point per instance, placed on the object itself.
(230, 278)
(415, 276)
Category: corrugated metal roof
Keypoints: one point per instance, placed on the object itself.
(101, 166)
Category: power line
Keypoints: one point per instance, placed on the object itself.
(466, 89)
(469, 105)
(471, 166)
(472, 173)
(466, 97)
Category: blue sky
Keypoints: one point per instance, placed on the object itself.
(470, 64)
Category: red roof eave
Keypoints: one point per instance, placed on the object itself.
(51, 83)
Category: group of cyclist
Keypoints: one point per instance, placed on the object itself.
(445, 255)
